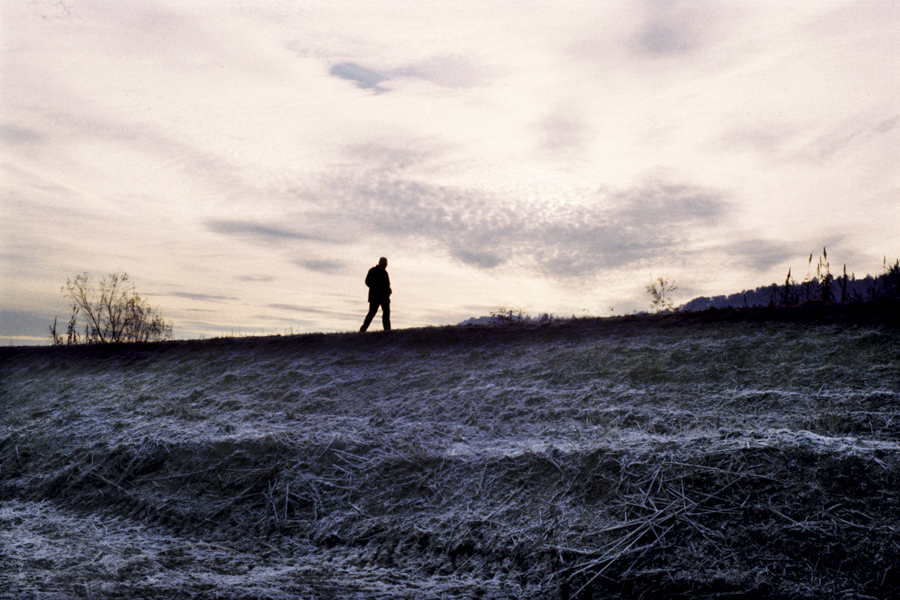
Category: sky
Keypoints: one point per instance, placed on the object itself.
(246, 162)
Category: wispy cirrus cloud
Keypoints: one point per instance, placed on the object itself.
(262, 233)
(811, 142)
(322, 265)
(197, 297)
(300, 309)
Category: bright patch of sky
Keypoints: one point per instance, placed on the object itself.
(246, 162)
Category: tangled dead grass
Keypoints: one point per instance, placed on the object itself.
(587, 459)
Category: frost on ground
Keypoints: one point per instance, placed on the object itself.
(699, 456)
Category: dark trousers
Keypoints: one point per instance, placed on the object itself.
(385, 315)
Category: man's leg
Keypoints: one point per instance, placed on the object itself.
(373, 308)
(386, 315)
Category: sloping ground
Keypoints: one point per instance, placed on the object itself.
(725, 454)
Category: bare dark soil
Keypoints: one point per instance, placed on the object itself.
(724, 454)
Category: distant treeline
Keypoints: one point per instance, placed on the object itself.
(821, 287)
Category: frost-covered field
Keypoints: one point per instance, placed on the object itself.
(699, 456)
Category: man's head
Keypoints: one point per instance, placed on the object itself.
(382, 262)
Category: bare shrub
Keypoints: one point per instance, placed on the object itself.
(110, 311)
(891, 279)
(660, 291)
(507, 313)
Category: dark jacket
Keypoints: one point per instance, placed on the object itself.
(379, 284)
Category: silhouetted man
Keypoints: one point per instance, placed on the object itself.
(379, 294)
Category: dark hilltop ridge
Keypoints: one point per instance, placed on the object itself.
(726, 453)
(821, 287)
(875, 312)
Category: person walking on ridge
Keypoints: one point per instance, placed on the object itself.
(379, 285)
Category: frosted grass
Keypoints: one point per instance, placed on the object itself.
(514, 462)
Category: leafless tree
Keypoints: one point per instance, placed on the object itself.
(111, 311)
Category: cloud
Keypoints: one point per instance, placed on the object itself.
(363, 77)
(838, 139)
(384, 159)
(171, 32)
(300, 309)
(27, 325)
(480, 259)
(887, 125)
(562, 131)
(257, 232)
(760, 254)
(660, 38)
(672, 28)
(610, 230)
(10, 134)
(201, 297)
(443, 71)
(321, 266)
(811, 142)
